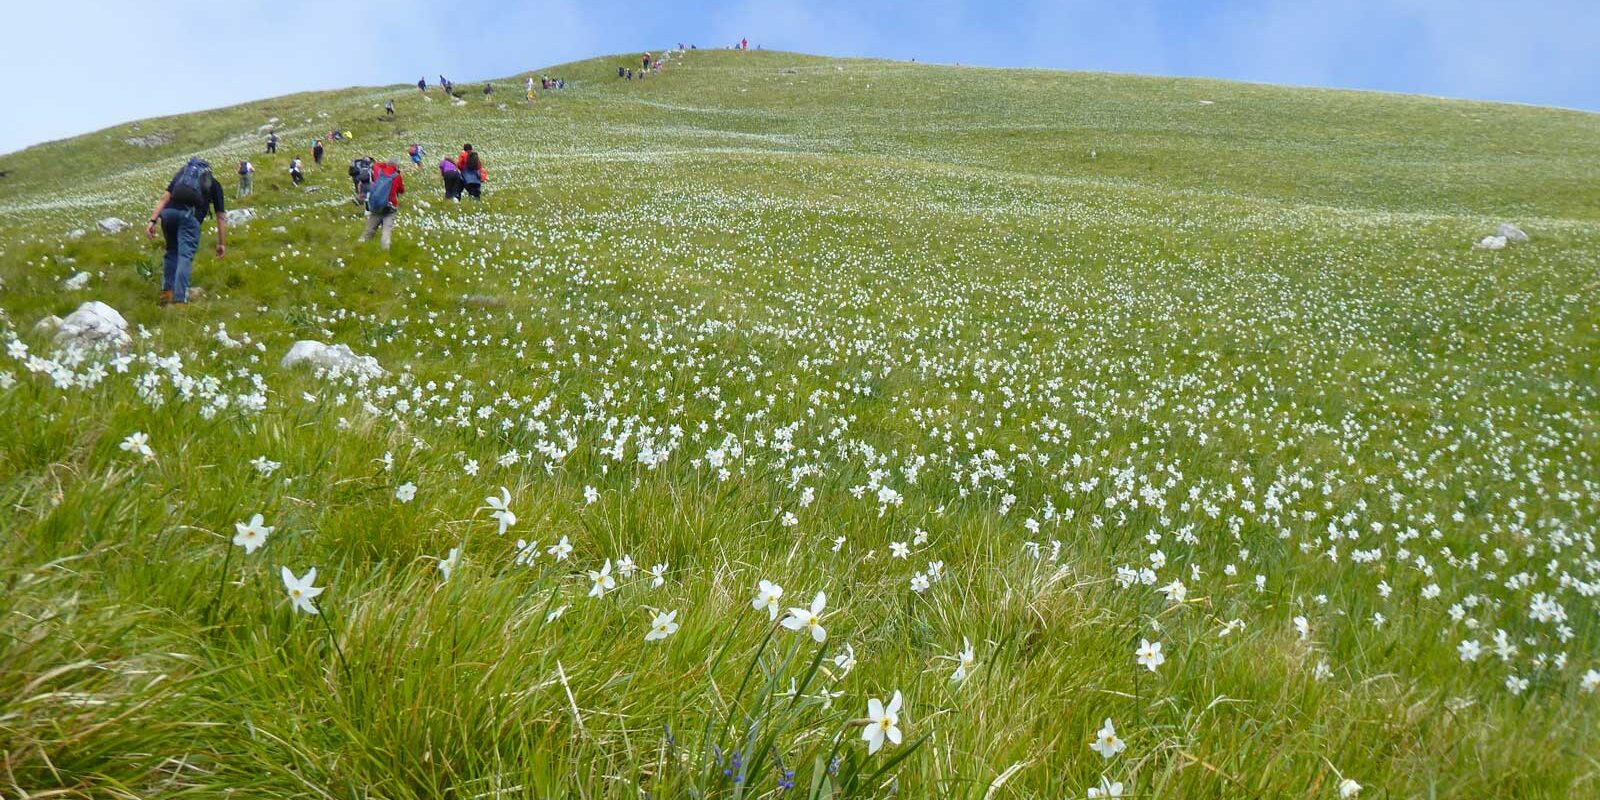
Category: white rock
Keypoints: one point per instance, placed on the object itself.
(76, 233)
(239, 216)
(1491, 243)
(1511, 232)
(94, 325)
(280, 229)
(47, 326)
(76, 282)
(111, 225)
(337, 359)
(458, 102)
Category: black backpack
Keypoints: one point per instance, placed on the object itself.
(192, 185)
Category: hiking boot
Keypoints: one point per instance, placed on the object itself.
(165, 299)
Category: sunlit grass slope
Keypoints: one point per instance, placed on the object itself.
(1179, 418)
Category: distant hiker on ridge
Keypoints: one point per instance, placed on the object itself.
(383, 200)
(422, 85)
(181, 209)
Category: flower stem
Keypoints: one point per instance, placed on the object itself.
(222, 581)
(336, 649)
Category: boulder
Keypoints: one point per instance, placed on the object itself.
(94, 325)
(76, 282)
(336, 359)
(1491, 243)
(1511, 232)
(239, 216)
(111, 225)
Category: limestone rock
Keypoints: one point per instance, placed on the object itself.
(239, 216)
(111, 225)
(1491, 243)
(94, 325)
(336, 359)
(1511, 232)
(76, 282)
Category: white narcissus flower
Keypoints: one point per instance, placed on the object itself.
(1591, 681)
(665, 624)
(590, 495)
(964, 661)
(500, 509)
(601, 581)
(300, 590)
(658, 575)
(1149, 655)
(1106, 789)
(560, 549)
(767, 594)
(138, 443)
(1106, 742)
(448, 563)
(809, 618)
(883, 723)
(1348, 789)
(251, 535)
(406, 492)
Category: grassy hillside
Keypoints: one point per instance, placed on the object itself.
(1046, 369)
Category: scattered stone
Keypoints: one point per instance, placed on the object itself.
(111, 225)
(1491, 243)
(94, 325)
(482, 301)
(1511, 232)
(239, 216)
(196, 293)
(76, 282)
(264, 128)
(279, 229)
(336, 359)
(47, 326)
(76, 234)
(1207, 102)
(156, 139)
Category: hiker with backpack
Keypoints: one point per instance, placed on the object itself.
(422, 85)
(472, 172)
(416, 155)
(191, 193)
(383, 200)
(361, 177)
(247, 173)
(452, 179)
(294, 172)
(272, 142)
(316, 151)
(388, 109)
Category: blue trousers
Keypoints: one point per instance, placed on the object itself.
(181, 229)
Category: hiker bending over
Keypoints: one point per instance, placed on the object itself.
(452, 179)
(472, 173)
(190, 194)
(361, 177)
(383, 200)
(295, 173)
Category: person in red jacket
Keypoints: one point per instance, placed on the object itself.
(384, 206)
(473, 176)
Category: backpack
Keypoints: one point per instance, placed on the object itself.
(413, 150)
(192, 185)
(244, 168)
(378, 194)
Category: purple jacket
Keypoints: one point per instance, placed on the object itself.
(447, 166)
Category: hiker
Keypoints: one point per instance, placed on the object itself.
(472, 173)
(630, 74)
(644, 63)
(388, 108)
(316, 151)
(272, 142)
(190, 194)
(416, 155)
(620, 71)
(383, 200)
(247, 173)
(294, 170)
(744, 44)
(422, 85)
(361, 177)
(452, 179)
(488, 89)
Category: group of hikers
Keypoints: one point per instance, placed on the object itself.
(194, 192)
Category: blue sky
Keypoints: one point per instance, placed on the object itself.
(116, 60)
